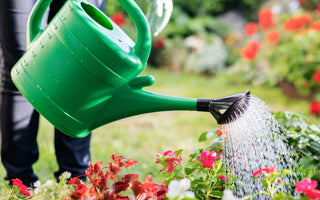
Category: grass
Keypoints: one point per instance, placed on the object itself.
(141, 137)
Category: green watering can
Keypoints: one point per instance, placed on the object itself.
(81, 72)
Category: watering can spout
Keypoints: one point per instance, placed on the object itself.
(133, 100)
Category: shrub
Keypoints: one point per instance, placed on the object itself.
(282, 50)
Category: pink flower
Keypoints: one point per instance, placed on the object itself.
(267, 170)
(223, 178)
(307, 187)
(167, 159)
(207, 158)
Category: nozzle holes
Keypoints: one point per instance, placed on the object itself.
(97, 15)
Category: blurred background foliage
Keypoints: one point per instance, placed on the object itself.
(207, 37)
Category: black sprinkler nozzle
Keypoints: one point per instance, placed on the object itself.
(226, 109)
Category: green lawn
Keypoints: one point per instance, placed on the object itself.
(141, 137)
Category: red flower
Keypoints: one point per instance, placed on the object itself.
(315, 107)
(152, 190)
(121, 161)
(296, 22)
(316, 76)
(267, 170)
(219, 132)
(265, 18)
(315, 26)
(207, 158)
(308, 188)
(273, 36)
(23, 189)
(159, 43)
(250, 51)
(169, 160)
(301, 1)
(251, 28)
(119, 19)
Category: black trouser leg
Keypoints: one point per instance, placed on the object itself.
(19, 122)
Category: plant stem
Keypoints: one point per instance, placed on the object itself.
(9, 196)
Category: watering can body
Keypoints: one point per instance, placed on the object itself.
(71, 69)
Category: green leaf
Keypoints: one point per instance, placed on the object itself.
(178, 153)
(189, 169)
(281, 196)
(286, 171)
(206, 135)
(264, 183)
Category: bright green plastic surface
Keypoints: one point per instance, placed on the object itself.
(81, 72)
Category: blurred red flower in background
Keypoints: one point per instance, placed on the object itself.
(315, 107)
(316, 76)
(249, 52)
(273, 36)
(315, 26)
(296, 22)
(251, 28)
(265, 18)
(159, 43)
(119, 19)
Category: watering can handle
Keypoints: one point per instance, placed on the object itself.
(35, 19)
(143, 43)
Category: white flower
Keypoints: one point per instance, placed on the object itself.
(179, 189)
(67, 174)
(228, 195)
(37, 185)
(49, 182)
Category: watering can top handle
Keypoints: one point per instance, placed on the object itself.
(35, 19)
(143, 44)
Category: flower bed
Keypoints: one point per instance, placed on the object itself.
(203, 176)
(282, 50)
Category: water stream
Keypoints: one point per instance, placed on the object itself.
(253, 142)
